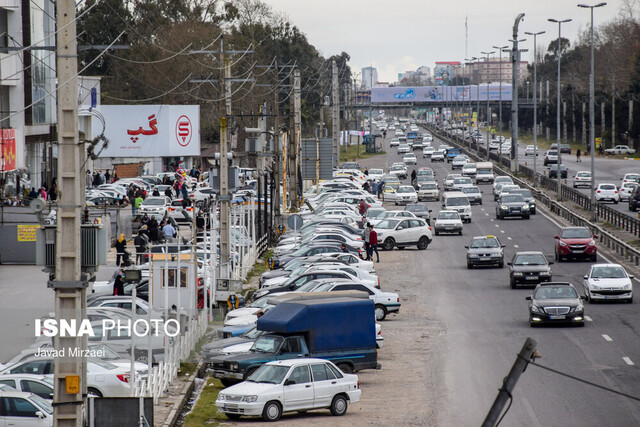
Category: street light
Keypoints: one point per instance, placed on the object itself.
(592, 131)
(469, 61)
(535, 105)
(487, 113)
(500, 48)
(559, 53)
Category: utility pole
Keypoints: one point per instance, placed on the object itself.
(224, 166)
(515, 64)
(335, 115)
(69, 372)
(294, 141)
(535, 105)
(276, 147)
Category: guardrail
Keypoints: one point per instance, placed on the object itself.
(625, 222)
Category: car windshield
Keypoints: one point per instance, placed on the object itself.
(270, 374)
(387, 224)
(397, 168)
(307, 287)
(503, 180)
(268, 344)
(530, 259)
(512, 198)
(430, 186)
(457, 201)
(44, 404)
(471, 190)
(575, 233)
(154, 202)
(416, 208)
(462, 181)
(485, 243)
(525, 193)
(608, 272)
(584, 174)
(425, 172)
(448, 215)
(375, 171)
(469, 166)
(484, 172)
(555, 292)
(607, 187)
(393, 185)
(405, 189)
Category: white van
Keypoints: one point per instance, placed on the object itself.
(457, 201)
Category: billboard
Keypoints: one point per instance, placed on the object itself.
(7, 150)
(422, 94)
(151, 130)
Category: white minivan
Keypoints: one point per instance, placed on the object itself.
(457, 201)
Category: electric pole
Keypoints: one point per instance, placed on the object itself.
(224, 165)
(335, 119)
(70, 385)
(294, 141)
(276, 147)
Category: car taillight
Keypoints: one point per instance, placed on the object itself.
(598, 191)
(189, 209)
(616, 192)
(123, 377)
(378, 281)
(358, 384)
(171, 209)
(398, 299)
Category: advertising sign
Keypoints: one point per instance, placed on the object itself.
(27, 233)
(151, 130)
(8, 150)
(424, 94)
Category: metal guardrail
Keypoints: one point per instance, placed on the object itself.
(611, 242)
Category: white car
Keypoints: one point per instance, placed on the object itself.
(620, 149)
(288, 386)
(385, 302)
(551, 157)
(155, 206)
(608, 282)
(582, 178)
(427, 137)
(429, 191)
(437, 156)
(631, 177)
(502, 180)
(30, 410)
(627, 189)
(398, 171)
(201, 194)
(406, 194)
(403, 232)
(448, 180)
(394, 142)
(459, 161)
(42, 385)
(448, 221)
(375, 174)
(607, 192)
(354, 261)
(462, 182)
(427, 151)
(398, 132)
(531, 150)
(505, 148)
(403, 148)
(410, 159)
(469, 169)
(494, 145)
(363, 276)
(391, 215)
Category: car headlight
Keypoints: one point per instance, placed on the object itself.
(535, 309)
(221, 396)
(251, 398)
(531, 204)
(525, 208)
(504, 207)
(517, 273)
(472, 255)
(578, 308)
(561, 243)
(592, 243)
(234, 366)
(627, 286)
(545, 273)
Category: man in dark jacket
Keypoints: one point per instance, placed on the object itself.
(141, 241)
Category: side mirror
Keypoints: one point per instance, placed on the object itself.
(595, 236)
(503, 246)
(556, 237)
(630, 277)
(400, 228)
(509, 263)
(585, 277)
(583, 297)
(550, 263)
(289, 382)
(466, 247)
(527, 298)
(40, 415)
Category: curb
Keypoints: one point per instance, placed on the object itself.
(186, 392)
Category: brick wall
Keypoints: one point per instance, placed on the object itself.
(129, 170)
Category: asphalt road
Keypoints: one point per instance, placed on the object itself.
(484, 324)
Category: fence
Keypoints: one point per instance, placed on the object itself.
(623, 221)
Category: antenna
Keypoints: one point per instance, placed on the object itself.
(466, 36)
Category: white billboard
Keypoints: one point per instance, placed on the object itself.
(150, 130)
(428, 94)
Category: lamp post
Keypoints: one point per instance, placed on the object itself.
(592, 132)
(469, 61)
(487, 113)
(559, 54)
(477, 136)
(500, 48)
(535, 106)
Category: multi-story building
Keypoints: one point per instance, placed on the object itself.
(494, 70)
(369, 77)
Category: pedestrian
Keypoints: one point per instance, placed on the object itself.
(43, 193)
(141, 241)
(366, 234)
(366, 187)
(53, 193)
(343, 248)
(154, 233)
(107, 176)
(137, 202)
(121, 247)
(168, 232)
(362, 208)
(156, 192)
(414, 175)
(32, 194)
(185, 191)
(118, 284)
(379, 190)
(88, 179)
(578, 159)
(373, 243)
(366, 171)
(144, 221)
(168, 192)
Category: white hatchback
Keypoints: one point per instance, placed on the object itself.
(608, 282)
(410, 159)
(582, 178)
(607, 192)
(290, 385)
(531, 150)
(406, 194)
(627, 189)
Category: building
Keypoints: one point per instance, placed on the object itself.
(369, 77)
(419, 77)
(444, 71)
(494, 70)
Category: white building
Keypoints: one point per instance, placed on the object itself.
(369, 77)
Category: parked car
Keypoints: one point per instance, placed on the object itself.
(576, 242)
(448, 222)
(582, 179)
(485, 250)
(402, 233)
(385, 302)
(607, 192)
(375, 174)
(608, 282)
(555, 302)
(620, 149)
(290, 385)
(25, 409)
(530, 268)
(41, 385)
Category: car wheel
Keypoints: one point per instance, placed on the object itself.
(594, 258)
(526, 216)
(580, 325)
(232, 416)
(630, 300)
(423, 243)
(512, 283)
(480, 201)
(272, 411)
(460, 233)
(388, 244)
(556, 256)
(228, 382)
(381, 312)
(436, 233)
(469, 266)
(501, 264)
(93, 392)
(338, 405)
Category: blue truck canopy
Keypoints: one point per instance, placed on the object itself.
(329, 324)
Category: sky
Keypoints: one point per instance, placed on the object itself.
(399, 35)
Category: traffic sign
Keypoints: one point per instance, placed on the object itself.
(295, 222)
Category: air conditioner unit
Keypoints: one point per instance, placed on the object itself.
(94, 246)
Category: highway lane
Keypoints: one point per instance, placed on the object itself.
(486, 325)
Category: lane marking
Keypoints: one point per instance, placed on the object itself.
(481, 209)
(502, 231)
(491, 219)
(509, 238)
(497, 225)
(588, 319)
(607, 337)
(486, 214)
(628, 361)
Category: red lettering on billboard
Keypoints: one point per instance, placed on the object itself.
(183, 130)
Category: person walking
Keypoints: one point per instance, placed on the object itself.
(107, 177)
(362, 208)
(414, 174)
(154, 230)
(169, 192)
(366, 235)
(121, 247)
(156, 192)
(373, 243)
(137, 202)
(141, 241)
(168, 232)
(578, 159)
(343, 248)
(118, 284)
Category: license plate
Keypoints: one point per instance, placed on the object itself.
(531, 278)
(577, 251)
(448, 228)
(230, 406)
(557, 317)
(485, 258)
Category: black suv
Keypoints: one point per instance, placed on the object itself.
(634, 200)
(556, 302)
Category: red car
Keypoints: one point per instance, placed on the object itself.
(576, 242)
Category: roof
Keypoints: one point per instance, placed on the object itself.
(293, 362)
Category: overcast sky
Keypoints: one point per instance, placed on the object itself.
(400, 35)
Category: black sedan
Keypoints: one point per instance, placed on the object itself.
(530, 268)
(553, 171)
(556, 302)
